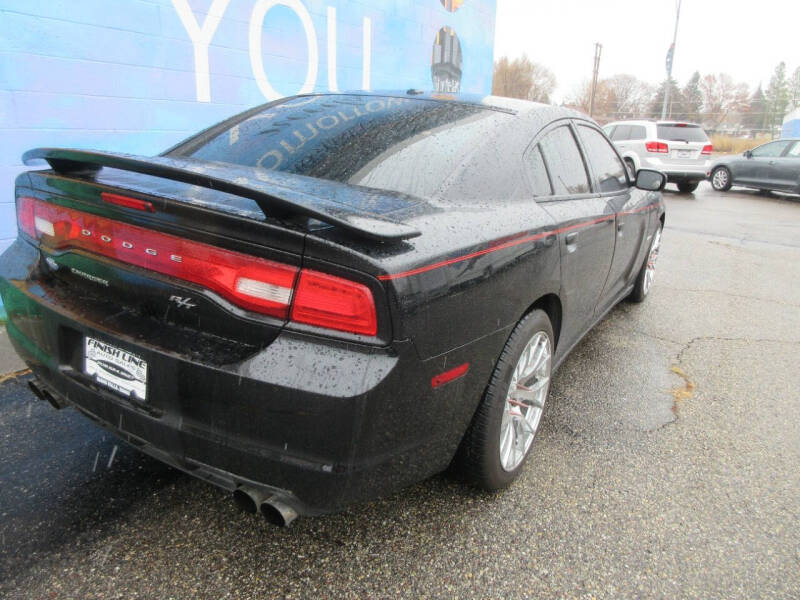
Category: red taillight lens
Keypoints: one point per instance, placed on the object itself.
(707, 149)
(253, 283)
(25, 215)
(659, 147)
(335, 303)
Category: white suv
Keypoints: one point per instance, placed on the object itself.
(682, 151)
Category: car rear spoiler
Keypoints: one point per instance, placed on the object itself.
(277, 194)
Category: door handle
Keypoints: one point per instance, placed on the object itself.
(570, 238)
(620, 225)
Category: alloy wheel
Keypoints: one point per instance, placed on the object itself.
(650, 272)
(720, 179)
(525, 398)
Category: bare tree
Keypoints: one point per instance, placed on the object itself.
(524, 79)
(629, 97)
(618, 97)
(544, 83)
(581, 99)
(721, 97)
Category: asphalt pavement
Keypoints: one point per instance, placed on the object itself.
(666, 467)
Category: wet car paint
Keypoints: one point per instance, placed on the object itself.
(328, 418)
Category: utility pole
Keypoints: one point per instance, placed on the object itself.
(598, 49)
(670, 57)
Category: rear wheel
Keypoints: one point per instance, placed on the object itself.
(721, 179)
(493, 451)
(644, 281)
(687, 187)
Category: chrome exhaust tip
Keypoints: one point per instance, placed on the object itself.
(274, 508)
(278, 512)
(248, 499)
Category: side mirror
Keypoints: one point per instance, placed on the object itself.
(650, 180)
(748, 154)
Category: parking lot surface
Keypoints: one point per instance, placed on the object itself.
(666, 466)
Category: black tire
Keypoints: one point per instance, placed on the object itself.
(687, 187)
(477, 460)
(641, 288)
(722, 183)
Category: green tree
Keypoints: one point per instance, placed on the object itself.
(794, 89)
(756, 117)
(692, 99)
(777, 97)
(675, 100)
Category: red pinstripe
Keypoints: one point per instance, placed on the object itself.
(531, 238)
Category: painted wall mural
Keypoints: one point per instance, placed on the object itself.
(143, 75)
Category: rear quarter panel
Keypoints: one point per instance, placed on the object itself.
(474, 271)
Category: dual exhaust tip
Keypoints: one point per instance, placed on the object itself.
(42, 393)
(273, 508)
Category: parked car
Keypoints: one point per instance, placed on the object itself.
(774, 166)
(329, 297)
(681, 150)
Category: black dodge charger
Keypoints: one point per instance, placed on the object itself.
(328, 297)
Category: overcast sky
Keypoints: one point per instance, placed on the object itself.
(745, 38)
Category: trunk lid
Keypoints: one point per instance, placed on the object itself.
(686, 143)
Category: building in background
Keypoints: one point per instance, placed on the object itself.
(138, 76)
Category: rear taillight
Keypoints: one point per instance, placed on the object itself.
(659, 147)
(256, 284)
(335, 303)
(707, 149)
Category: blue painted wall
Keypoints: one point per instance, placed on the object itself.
(128, 75)
(791, 125)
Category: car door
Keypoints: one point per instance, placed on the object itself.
(585, 227)
(755, 169)
(784, 170)
(629, 205)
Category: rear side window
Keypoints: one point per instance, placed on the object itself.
(606, 164)
(638, 132)
(795, 151)
(564, 162)
(538, 173)
(622, 132)
(682, 132)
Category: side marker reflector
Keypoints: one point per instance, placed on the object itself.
(448, 376)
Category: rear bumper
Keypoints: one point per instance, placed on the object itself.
(697, 171)
(685, 176)
(320, 423)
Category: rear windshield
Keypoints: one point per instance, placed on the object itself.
(404, 145)
(679, 132)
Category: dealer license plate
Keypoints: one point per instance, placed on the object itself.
(684, 153)
(115, 368)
